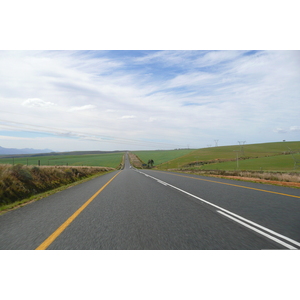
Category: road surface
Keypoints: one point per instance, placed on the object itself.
(146, 209)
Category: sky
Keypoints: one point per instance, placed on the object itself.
(159, 76)
(137, 99)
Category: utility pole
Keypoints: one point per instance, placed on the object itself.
(216, 141)
(242, 147)
(237, 158)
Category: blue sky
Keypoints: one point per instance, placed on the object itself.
(113, 100)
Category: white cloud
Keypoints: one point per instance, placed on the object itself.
(84, 107)
(182, 97)
(168, 58)
(152, 119)
(295, 128)
(216, 57)
(280, 130)
(292, 129)
(128, 117)
(36, 102)
(191, 79)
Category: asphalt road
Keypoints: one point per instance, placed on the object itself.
(146, 209)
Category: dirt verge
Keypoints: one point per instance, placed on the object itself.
(135, 161)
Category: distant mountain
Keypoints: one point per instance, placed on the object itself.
(8, 151)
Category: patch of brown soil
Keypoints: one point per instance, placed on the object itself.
(134, 160)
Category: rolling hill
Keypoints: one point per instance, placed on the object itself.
(265, 156)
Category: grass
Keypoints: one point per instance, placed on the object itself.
(161, 156)
(7, 207)
(20, 182)
(25, 178)
(267, 161)
(267, 156)
(112, 160)
(271, 163)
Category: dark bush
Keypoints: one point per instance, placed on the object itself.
(35, 170)
(20, 173)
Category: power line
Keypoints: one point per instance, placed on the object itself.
(242, 147)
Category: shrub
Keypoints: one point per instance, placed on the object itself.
(22, 174)
(19, 182)
(35, 170)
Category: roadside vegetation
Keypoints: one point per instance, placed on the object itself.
(289, 179)
(20, 182)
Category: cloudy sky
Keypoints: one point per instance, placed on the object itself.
(115, 100)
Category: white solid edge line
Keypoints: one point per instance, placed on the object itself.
(231, 213)
(259, 231)
(162, 182)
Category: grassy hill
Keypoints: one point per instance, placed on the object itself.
(272, 163)
(266, 156)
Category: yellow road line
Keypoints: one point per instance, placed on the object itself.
(245, 187)
(62, 227)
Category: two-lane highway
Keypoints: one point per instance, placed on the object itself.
(146, 209)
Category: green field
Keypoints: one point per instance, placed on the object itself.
(161, 156)
(267, 156)
(104, 160)
(272, 163)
